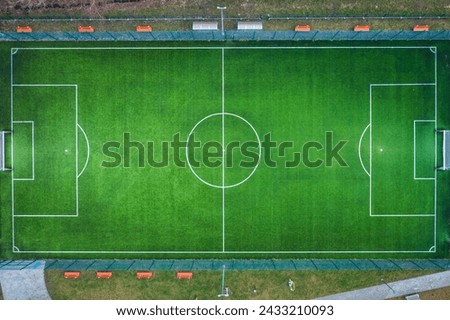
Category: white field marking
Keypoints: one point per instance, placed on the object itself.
(415, 175)
(16, 249)
(435, 143)
(13, 51)
(223, 152)
(205, 48)
(401, 84)
(432, 249)
(403, 215)
(32, 149)
(433, 49)
(371, 147)
(215, 185)
(76, 148)
(225, 48)
(221, 252)
(88, 150)
(370, 151)
(70, 215)
(43, 85)
(359, 150)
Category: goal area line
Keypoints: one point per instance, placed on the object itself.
(415, 149)
(27, 122)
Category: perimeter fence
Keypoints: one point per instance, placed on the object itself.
(192, 265)
(234, 35)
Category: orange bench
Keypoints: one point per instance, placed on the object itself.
(304, 28)
(24, 29)
(421, 28)
(85, 29)
(361, 28)
(71, 274)
(144, 275)
(184, 275)
(144, 29)
(104, 275)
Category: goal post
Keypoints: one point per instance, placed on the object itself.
(445, 150)
(2, 151)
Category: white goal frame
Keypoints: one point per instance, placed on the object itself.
(2, 151)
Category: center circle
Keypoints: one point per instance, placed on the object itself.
(224, 126)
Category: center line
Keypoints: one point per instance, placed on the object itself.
(223, 152)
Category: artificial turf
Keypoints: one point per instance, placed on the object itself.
(82, 204)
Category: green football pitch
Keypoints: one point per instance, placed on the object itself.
(242, 151)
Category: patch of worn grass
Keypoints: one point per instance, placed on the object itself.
(206, 285)
(248, 8)
(438, 294)
(235, 9)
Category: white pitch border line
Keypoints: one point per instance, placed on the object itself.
(219, 252)
(225, 48)
(32, 149)
(435, 144)
(415, 174)
(14, 50)
(68, 215)
(371, 147)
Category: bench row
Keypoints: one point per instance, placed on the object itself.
(139, 274)
(306, 28)
(298, 28)
(86, 29)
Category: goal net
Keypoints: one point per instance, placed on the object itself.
(2, 151)
(445, 150)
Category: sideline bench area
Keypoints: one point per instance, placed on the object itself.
(184, 275)
(104, 274)
(109, 274)
(24, 29)
(302, 28)
(144, 29)
(421, 28)
(85, 29)
(204, 25)
(72, 274)
(361, 28)
(250, 25)
(144, 274)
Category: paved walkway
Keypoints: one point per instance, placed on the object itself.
(26, 284)
(396, 289)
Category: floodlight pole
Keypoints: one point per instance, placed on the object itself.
(221, 19)
(382, 280)
(223, 279)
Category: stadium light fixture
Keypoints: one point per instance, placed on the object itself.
(221, 19)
